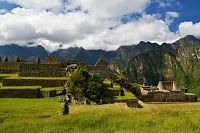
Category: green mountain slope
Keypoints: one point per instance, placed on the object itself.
(181, 63)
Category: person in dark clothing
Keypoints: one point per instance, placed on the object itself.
(66, 108)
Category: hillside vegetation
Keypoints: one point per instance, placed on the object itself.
(181, 64)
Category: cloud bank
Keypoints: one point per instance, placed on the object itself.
(91, 24)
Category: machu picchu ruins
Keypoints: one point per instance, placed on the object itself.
(33, 74)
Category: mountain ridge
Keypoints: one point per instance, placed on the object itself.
(119, 56)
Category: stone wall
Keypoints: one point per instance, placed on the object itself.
(51, 93)
(173, 96)
(34, 82)
(19, 93)
(100, 70)
(131, 103)
(41, 70)
(9, 67)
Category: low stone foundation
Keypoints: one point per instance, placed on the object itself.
(52, 93)
(173, 96)
(132, 103)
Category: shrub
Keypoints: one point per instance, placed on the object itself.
(133, 87)
(82, 84)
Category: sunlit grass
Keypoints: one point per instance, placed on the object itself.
(39, 78)
(39, 115)
(127, 96)
(21, 87)
(52, 88)
(9, 75)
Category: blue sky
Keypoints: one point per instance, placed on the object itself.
(107, 26)
(188, 10)
(5, 5)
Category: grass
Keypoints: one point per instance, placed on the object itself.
(39, 115)
(127, 96)
(52, 88)
(115, 87)
(20, 87)
(107, 82)
(39, 78)
(9, 75)
(2, 76)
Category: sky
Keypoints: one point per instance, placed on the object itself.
(96, 24)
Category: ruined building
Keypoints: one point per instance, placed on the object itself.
(166, 91)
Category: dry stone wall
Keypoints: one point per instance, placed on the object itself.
(19, 93)
(41, 70)
(34, 82)
(173, 96)
(9, 67)
(52, 93)
(130, 103)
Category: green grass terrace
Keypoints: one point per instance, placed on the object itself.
(21, 87)
(39, 115)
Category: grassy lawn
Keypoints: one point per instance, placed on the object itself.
(39, 78)
(2, 76)
(128, 95)
(115, 87)
(39, 115)
(52, 88)
(20, 87)
(9, 75)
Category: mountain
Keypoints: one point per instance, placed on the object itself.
(124, 53)
(187, 41)
(145, 62)
(181, 63)
(23, 52)
(89, 57)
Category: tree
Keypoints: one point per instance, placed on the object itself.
(83, 84)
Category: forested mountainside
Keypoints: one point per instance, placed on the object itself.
(181, 63)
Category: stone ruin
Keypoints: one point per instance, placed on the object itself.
(32, 67)
(166, 91)
(52, 60)
(103, 69)
(51, 67)
(70, 69)
(101, 63)
(5, 59)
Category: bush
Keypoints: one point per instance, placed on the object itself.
(82, 84)
(133, 87)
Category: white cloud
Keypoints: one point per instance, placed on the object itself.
(169, 18)
(37, 4)
(87, 29)
(188, 28)
(23, 25)
(109, 8)
(164, 3)
(147, 28)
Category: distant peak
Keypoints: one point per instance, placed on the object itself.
(190, 37)
(142, 42)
